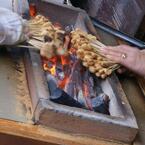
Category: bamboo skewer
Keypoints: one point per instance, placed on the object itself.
(114, 67)
(98, 43)
(36, 43)
(38, 38)
(27, 46)
(96, 46)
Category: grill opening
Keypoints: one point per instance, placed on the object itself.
(73, 85)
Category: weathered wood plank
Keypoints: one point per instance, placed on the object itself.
(6, 139)
(47, 134)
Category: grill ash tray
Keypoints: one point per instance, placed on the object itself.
(120, 125)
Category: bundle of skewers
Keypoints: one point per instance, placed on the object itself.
(88, 50)
(46, 37)
(51, 40)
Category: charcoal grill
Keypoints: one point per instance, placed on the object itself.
(119, 126)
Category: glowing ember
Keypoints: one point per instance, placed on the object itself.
(62, 83)
(32, 10)
(65, 60)
(86, 95)
(54, 59)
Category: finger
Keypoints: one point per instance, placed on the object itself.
(110, 52)
(117, 59)
(114, 58)
(127, 49)
(120, 49)
(143, 52)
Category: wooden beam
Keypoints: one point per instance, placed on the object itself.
(47, 134)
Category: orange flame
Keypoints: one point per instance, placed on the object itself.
(54, 59)
(53, 70)
(45, 67)
(63, 82)
(32, 9)
(64, 60)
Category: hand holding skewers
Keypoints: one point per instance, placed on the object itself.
(46, 37)
(88, 50)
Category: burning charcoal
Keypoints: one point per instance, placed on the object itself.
(61, 97)
(101, 104)
(66, 69)
(61, 75)
(52, 83)
(90, 83)
(69, 88)
(68, 29)
(81, 98)
(97, 86)
(74, 83)
(88, 89)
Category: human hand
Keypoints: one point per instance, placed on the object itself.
(130, 57)
(13, 28)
